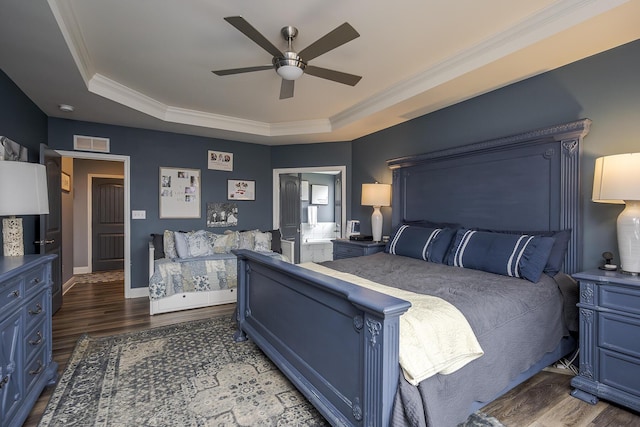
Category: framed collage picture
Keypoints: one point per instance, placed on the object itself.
(179, 193)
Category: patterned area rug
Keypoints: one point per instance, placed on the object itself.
(188, 374)
(100, 277)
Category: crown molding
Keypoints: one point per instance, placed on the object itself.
(558, 17)
(552, 20)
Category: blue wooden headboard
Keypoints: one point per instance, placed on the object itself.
(529, 182)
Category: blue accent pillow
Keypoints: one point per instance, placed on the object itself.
(516, 255)
(429, 244)
(182, 246)
(558, 251)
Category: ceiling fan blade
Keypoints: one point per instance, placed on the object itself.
(286, 89)
(242, 70)
(336, 76)
(245, 28)
(339, 36)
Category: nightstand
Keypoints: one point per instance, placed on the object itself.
(609, 338)
(345, 248)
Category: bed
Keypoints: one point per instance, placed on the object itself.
(339, 341)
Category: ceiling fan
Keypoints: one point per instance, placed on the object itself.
(290, 64)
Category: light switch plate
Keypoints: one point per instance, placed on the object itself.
(138, 214)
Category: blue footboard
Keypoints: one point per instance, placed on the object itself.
(336, 342)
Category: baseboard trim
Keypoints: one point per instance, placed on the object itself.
(137, 293)
(81, 270)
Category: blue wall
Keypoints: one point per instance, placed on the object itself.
(150, 150)
(604, 88)
(23, 122)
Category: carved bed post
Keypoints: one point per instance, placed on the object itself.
(381, 365)
(241, 305)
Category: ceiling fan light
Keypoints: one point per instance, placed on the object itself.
(289, 67)
(289, 72)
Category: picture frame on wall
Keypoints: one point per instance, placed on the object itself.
(220, 160)
(65, 182)
(319, 194)
(179, 193)
(240, 189)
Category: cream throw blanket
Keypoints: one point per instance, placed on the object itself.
(435, 337)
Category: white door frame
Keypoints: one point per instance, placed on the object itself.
(276, 190)
(126, 160)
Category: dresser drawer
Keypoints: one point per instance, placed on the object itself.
(35, 277)
(620, 298)
(34, 368)
(36, 339)
(344, 251)
(619, 333)
(620, 371)
(36, 309)
(11, 293)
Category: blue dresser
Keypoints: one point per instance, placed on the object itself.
(609, 338)
(26, 365)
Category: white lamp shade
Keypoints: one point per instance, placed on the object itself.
(23, 189)
(376, 195)
(617, 178)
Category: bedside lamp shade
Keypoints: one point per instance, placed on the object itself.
(23, 191)
(617, 180)
(376, 195)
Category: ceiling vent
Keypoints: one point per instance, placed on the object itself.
(91, 143)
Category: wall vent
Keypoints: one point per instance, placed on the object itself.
(91, 143)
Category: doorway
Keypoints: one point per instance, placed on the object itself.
(298, 179)
(125, 161)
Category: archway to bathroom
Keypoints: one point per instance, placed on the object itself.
(309, 209)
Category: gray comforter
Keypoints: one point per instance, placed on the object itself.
(516, 323)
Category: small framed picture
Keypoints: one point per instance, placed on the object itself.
(65, 182)
(319, 194)
(239, 189)
(220, 160)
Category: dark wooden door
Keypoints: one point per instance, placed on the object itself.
(107, 224)
(51, 225)
(290, 210)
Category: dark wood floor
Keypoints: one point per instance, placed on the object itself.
(101, 310)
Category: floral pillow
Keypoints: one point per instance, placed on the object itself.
(262, 242)
(169, 244)
(199, 244)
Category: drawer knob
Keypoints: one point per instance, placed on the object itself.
(38, 310)
(38, 341)
(15, 293)
(36, 280)
(4, 381)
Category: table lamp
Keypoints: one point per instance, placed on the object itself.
(617, 180)
(376, 195)
(23, 191)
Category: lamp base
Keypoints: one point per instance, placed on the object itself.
(376, 224)
(628, 226)
(12, 236)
